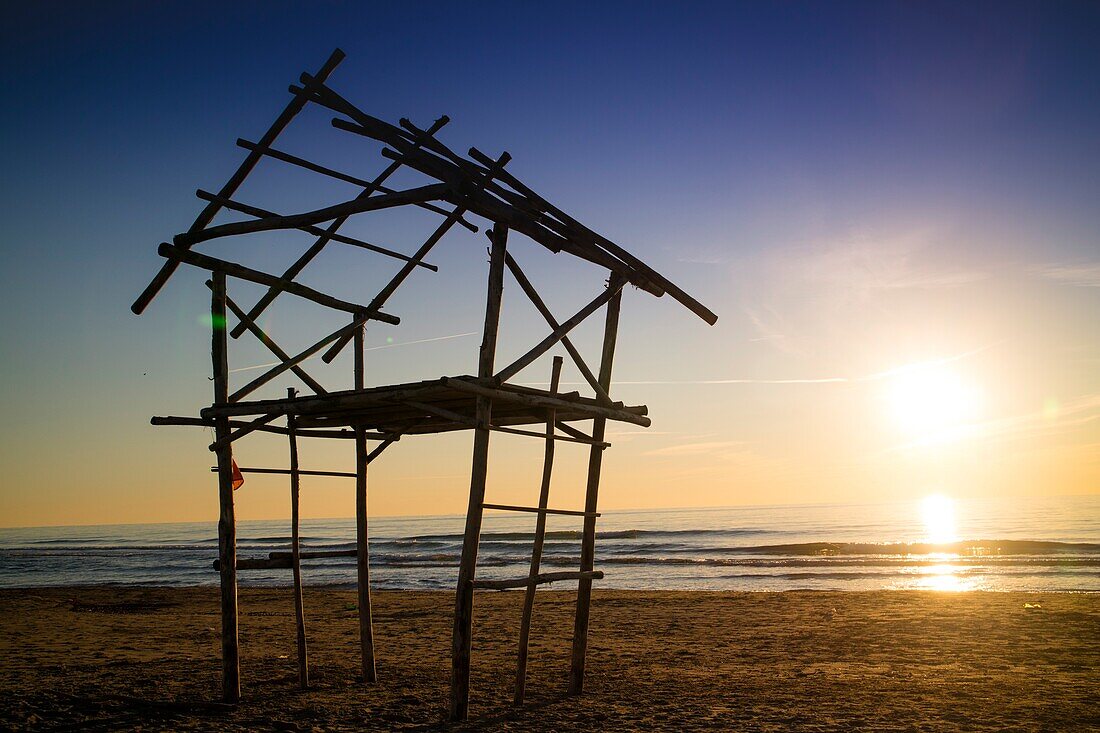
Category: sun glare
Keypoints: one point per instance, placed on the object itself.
(932, 398)
(938, 512)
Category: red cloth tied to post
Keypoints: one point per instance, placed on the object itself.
(238, 477)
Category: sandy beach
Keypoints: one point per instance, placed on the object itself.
(124, 659)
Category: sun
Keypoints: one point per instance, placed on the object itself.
(938, 513)
(928, 399)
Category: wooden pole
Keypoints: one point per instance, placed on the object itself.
(366, 627)
(588, 537)
(540, 536)
(296, 552)
(227, 527)
(462, 635)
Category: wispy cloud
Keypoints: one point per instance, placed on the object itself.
(698, 449)
(862, 263)
(1085, 275)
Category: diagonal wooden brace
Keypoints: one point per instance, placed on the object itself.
(532, 295)
(243, 431)
(547, 343)
(272, 346)
(295, 360)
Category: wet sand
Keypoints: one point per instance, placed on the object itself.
(128, 659)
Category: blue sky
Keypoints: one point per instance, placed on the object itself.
(851, 186)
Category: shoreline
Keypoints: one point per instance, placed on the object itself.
(112, 658)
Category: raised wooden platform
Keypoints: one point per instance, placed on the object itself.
(433, 406)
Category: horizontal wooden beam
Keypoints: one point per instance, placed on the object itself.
(540, 579)
(308, 165)
(309, 228)
(543, 436)
(538, 510)
(433, 192)
(214, 264)
(204, 423)
(287, 472)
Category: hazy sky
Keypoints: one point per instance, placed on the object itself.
(855, 188)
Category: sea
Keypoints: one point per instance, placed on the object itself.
(1039, 544)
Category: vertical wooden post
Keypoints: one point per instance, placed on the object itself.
(295, 549)
(366, 626)
(227, 526)
(462, 634)
(588, 538)
(540, 536)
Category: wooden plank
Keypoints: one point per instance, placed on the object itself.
(296, 553)
(227, 523)
(540, 537)
(540, 579)
(259, 213)
(433, 192)
(588, 533)
(547, 343)
(211, 210)
(245, 273)
(362, 562)
(462, 633)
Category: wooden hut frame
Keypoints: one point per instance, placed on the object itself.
(459, 187)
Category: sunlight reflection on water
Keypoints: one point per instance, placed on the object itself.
(943, 577)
